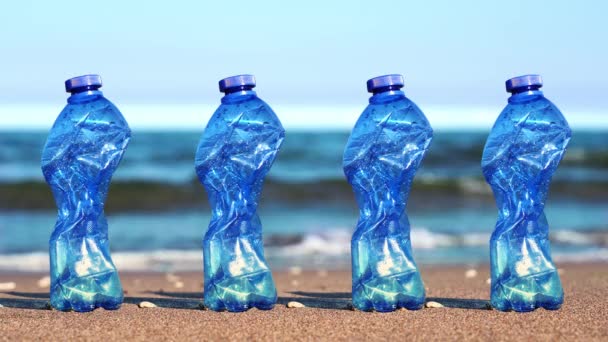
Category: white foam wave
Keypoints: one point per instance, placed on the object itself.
(573, 237)
(332, 244)
(337, 242)
(158, 260)
(425, 239)
(592, 255)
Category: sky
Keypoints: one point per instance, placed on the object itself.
(161, 60)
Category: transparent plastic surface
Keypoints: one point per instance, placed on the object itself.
(81, 153)
(521, 154)
(381, 158)
(235, 153)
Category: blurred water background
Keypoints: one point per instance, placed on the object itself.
(160, 64)
(158, 212)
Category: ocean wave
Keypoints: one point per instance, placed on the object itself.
(332, 242)
(591, 255)
(143, 261)
(192, 260)
(167, 157)
(147, 195)
(337, 241)
(326, 249)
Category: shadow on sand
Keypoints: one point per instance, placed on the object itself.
(458, 303)
(335, 301)
(342, 300)
(28, 300)
(193, 300)
(40, 301)
(169, 303)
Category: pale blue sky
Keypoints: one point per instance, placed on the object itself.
(305, 53)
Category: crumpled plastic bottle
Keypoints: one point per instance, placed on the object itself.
(81, 153)
(235, 153)
(521, 154)
(381, 158)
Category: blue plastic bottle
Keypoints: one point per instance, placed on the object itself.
(235, 153)
(82, 151)
(521, 154)
(381, 158)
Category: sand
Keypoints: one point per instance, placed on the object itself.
(326, 316)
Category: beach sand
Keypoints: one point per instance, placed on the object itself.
(326, 316)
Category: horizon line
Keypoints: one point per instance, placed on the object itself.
(294, 117)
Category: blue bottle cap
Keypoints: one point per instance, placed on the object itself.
(524, 82)
(394, 80)
(238, 81)
(93, 81)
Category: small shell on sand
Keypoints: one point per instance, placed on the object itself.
(295, 270)
(145, 304)
(472, 273)
(431, 304)
(489, 281)
(295, 305)
(11, 285)
(172, 278)
(1, 306)
(178, 284)
(44, 282)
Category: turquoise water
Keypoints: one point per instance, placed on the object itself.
(307, 208)
(303, 236)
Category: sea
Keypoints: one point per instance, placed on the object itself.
(158, 212)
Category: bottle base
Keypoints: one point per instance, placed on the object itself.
(525, 294)
(367, 307)
(85, 307)
(217, 305)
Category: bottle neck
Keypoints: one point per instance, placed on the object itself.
(84, 95)
(237, 95)
(524, 93)
(386, 94)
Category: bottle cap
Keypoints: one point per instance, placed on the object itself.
(82, 81)
(394, 80)
(238, 81)
(523, 82)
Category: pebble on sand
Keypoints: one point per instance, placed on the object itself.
(44, 282)
(431, 304)
(489, 281)
(172, 278)
(295, 305)
(145, 304)
(178, 284)
(472, 273)
(11, 285)
(295, 270)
